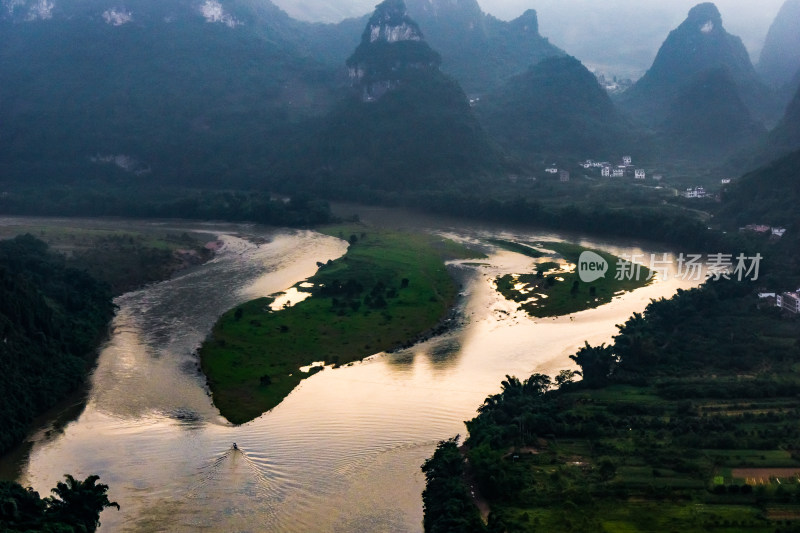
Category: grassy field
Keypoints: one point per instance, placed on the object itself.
(386, 291)
(545, 293)
(124, 259)
(655, 484)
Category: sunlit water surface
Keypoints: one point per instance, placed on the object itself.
(343, 451)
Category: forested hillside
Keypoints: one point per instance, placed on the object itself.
(553, 109)
(686, 422)
(51, 319)
(404, 126)
(684, 411)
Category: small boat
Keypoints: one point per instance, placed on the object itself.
(235, 447)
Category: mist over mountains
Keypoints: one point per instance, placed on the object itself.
(699, 44)
(404, 125)
(618, 37)
(237, 93)
(779, 64)
(555, 108)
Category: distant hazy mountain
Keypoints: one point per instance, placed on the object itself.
(780, 57)
(405, 125)
(392, 50)
(708, 120)
(768, 195)
(698, 45)
(618, 37)
(477, 49)
(786, 135)
(555, 108)
(180, 90)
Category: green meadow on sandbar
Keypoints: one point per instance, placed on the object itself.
(555, 289)
(389, 289)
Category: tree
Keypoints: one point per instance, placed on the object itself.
(75, 508)
(446, 499)
(79, 502)
(596, 362)
(575, 287)
(565, 377)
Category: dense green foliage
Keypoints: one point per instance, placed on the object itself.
(446, 499)
(74, 508)
(689, 407)
(51, 318)
(687, 422)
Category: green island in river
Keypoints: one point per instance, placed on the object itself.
(387, 290)
(555, 288)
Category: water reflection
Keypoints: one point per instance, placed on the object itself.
(342, 451)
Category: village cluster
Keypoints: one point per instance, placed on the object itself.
(789, 301)
(625, 169)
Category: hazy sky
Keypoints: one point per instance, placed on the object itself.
(618, 36)
(581, 26)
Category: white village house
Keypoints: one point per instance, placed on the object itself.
(697, 192)
(789, 301)
(640, 174)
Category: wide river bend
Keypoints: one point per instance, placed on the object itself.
(342, 452)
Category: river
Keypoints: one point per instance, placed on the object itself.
(343, 452)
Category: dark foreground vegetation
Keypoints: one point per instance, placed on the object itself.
(686, 423)
(51, 319)
(75, 507)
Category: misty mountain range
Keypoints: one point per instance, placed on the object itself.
(235, 92)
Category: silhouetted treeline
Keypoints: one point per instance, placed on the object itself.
(51, 319)
(75, 507)
(651, 221)
(152, 202)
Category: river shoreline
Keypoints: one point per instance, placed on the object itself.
(342, 451)
(390, 290)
